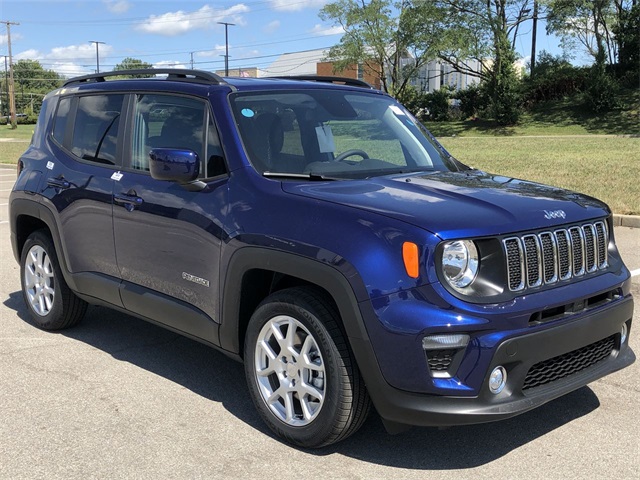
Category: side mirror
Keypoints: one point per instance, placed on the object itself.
(174, 164)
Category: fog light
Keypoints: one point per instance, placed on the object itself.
(497, 380)
(623, 333)
(445, 341)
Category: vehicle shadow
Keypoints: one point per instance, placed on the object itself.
(212, 375)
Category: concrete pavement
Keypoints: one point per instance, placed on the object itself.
(117, 397)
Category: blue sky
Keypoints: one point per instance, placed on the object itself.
(168, 33)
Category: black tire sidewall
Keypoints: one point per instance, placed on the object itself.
(324, 424)
(51, 320)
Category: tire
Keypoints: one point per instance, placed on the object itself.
(51, 303)
(300, 370)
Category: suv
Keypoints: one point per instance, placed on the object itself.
(313, 229)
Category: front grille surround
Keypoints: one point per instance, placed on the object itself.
(547, 257)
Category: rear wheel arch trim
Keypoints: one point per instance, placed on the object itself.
(21, 207)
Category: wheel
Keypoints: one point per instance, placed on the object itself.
(53, 306)
(350, 153)
(301, 373)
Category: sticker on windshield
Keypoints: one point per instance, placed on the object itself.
(116, 176)
(247, 112)
(325, 139)
(50, 165)
(395, 109)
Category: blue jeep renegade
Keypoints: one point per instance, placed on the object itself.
(313, 229)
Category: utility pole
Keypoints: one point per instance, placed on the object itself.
(226, 45)
(191, 53)
(97, 54)
(533, 36)
(12, 98)
(6, 80)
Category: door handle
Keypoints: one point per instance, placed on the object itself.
(128, 200)
(60, 183)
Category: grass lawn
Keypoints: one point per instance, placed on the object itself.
(607, 168)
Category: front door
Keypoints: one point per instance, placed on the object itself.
(168, 238)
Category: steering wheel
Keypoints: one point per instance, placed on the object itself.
(350, 153)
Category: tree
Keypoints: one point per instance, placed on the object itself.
(595, 25)
(133, 64)
(486, 31)
(32, 82)
(393, 39)
(627, 33)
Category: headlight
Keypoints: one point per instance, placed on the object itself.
(460, 263)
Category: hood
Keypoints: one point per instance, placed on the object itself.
(459, 204)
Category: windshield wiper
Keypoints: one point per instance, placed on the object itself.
(300, 176)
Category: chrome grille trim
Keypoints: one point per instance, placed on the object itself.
(515, 262)
(602, 235)
(577, 248)
(532, 259)
(536, 259)
(565, 257)
(549, 248)
(590, 243)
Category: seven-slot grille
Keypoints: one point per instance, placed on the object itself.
(551, 256)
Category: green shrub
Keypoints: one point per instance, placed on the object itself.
(554, 77)
(473, 101)
(600, 94)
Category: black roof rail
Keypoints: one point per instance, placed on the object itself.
(327, 79)
(177, 74)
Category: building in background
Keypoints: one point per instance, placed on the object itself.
(431, 76)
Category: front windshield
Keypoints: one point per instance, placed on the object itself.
(333, 133)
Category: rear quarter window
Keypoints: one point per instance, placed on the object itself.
(61, 118)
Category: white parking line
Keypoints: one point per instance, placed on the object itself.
(6, 190)
(4, 221)
(3, 204)
(635, 273)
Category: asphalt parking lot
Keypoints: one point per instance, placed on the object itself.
(119, 398)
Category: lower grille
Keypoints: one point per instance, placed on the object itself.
(564, 365)
(440, 360)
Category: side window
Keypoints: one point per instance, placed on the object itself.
(95, 133)
(166, 121)
(60, 122)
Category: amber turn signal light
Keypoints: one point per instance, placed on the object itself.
(410, 256)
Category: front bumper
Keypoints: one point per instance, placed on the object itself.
(517, 355)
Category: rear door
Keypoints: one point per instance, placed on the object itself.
(168, 238)
(78, 185)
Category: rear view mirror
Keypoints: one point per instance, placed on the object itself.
(174, 165)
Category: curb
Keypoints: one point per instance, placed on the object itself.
(632, 221)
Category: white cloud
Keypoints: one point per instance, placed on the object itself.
(271, 27)
(14, 37)
(322, 30)
(31, 54)
(117, 6)
(70, 61)
(169, 64)
(177, 23)
(295, 5)
(217, 51)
